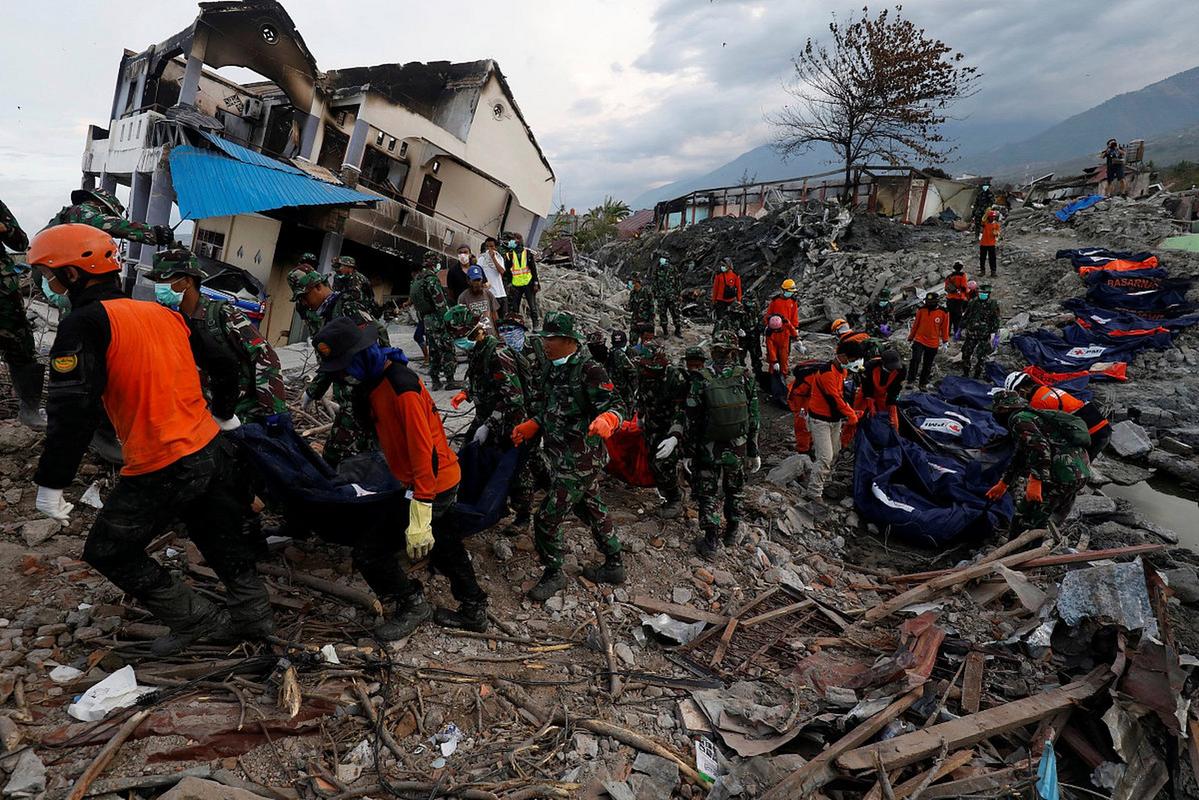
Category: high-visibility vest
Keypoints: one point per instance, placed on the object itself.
(521, 274)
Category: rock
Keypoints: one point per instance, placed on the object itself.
(619, 790)
(724, 577)
(10, 735)
(28, 778)
(1172, 445)
(1184, 583)
(1121, 472)
(8, 682)
(790, 469)
(16, 438)
(663, 772)
(1093, 505)
(624, 653)
(555, 603)
(1130, 440)
(36, 531)
(199, 789)
(681, 595)
(586, 746)
(502, 549)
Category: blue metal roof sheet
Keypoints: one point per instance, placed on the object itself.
(207, 184)
(249, 156)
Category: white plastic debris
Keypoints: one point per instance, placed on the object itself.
(64, 674)
(670, 628)
(118, 690)
(447, 740)
(330, 654)
(91, 496)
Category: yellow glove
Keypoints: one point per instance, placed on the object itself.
(420, 529)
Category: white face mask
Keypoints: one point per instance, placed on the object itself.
(557, 362)
(464, 258)
(856, 366)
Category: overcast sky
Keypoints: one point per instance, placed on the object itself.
(623, 95)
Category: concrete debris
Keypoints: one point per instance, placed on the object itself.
(37, 531)
(1184, 582)
(200, 789)
(1130, 440)
(1113, 592)
(28, 776)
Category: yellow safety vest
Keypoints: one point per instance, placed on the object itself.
(521, 274)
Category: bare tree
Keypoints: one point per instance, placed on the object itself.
(879, 89)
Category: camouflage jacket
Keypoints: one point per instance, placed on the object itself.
(641, 304)
(876, 316)
(1037, 456)
(337, 305)
(694, 421)
(427, 294)
(116, 227)
(981, 318)
(624, 374)
(575, 393)
(741, 321)
(258, 390)
(496, 387)
(13, 238)
(661, 397)
(357, 286)
(667, 281)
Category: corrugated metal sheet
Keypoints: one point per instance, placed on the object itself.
(249, 156)
(207, 184)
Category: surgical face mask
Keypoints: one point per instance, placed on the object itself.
(628, 284)
(557, 362)
(464, 258)
(511, 244)
(662, 262)
(724, 268)
(983, 295)
(788, 294)
(54, 298)
(462, 343)
(884, 303)
(856, 366)
(167, 296)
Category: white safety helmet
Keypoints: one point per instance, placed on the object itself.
(1015, 380)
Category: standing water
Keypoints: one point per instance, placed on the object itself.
(1165, 502)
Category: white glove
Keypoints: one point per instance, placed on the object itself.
(755, 463)
(231, 424)
(330, 407)
(307, 402)
(481, 435)
(944, 345)
(419, 535)
(51, 503)
(666, 447)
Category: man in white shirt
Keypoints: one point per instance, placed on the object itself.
(495, 268)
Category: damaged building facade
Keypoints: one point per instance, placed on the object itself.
(379, 163)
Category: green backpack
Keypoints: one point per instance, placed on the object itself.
(727, 404)
(1063, 428)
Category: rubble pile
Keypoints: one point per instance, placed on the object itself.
(1117, 222)
(593, 294)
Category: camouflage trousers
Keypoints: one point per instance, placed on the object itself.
(346, 436)
(975, 349)
(717, 467)
(668, 308)
(441, 349)
(665, 470)
(1057, 500)
(572, 488)
(16, 337)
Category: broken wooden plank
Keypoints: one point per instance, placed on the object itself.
(1047, 561)
(972, 682)
(965, 731)
(777, 612)
(925, 591)
(348, 593)
(106, 754)
(987, 783)
(816, 773)
(1005, 549)
(684, 613)
(722, 646)
(956, 761)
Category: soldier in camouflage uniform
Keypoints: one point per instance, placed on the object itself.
(618, 361)
(746, 325)
(16, 335)
(879, 318)
(495, 383)
(580, 409)
(980, 322)
(101, 209)
(429, 299)
(662, 391)
(1051, 469)
(352, 283)
(668, 285)
(319, 305)
(721, 419)
(641, 307)
(240, 370)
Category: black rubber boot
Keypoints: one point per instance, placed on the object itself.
(190, 617)
(731, 534)
(408, 615)
(249, 606)
(707, 545)
(672, 508)
(519, 524)
(552, 581)
(611, 571)
(27, 382)
(469, 617)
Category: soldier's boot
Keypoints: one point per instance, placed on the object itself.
(708, 544)
(611, 571)
(732, 532)
(678, 331)
(672, 508)
(249, 606)
(519, 524)
(408, 614)
(191, 618)
(28, 381)
(552, 581)
(469, 616)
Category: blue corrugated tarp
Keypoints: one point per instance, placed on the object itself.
(210, 184)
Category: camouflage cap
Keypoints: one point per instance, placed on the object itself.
(1005, 402)
(100, 197)
(300, 280)
(345, 261)
(177, 261)
(430, 257)
(460, 319)
(514, 320)
(693, 352)
(725, 340)
(884, 293)
(986, 287)
(652, 356)
(596, 337)
(559, 324)
(308, 258)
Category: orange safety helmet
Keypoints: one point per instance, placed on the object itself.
(788, 285)
(836, 326)
(74, 245)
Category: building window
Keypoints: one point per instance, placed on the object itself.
(209, 244)
(403, 149)
(391, 144)
(435, 167)
(379, 139)
(341, 118)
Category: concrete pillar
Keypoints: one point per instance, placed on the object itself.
(108, 182)
(89, 181)
(357, 146)
(139, 89)
(118, 105)
(158, 209)
(330, 249)
(195, 63)
(139, 200)
(308, 139)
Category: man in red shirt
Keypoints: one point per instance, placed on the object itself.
(930, 331)
(726, 288)
(413, 441)
(988, 241)
(956, 294)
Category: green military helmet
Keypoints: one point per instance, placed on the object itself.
(694, 352)
(300, 280)
(176, 261)
(1005, 402)
(99, 197)
(984, 288)
(884, 293)
(308, 258)
(460, 320)
(559, 324)
(346, 261)
(725, 340)
(652, 357)
(430, 257)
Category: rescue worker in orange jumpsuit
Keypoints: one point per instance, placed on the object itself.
(930, 332)
(957, 292)
(132, 359)
(881, 385)
(726, 288)
(846, 334)
(783, 330)
(1050, 398)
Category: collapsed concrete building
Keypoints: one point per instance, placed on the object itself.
(377, 162)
